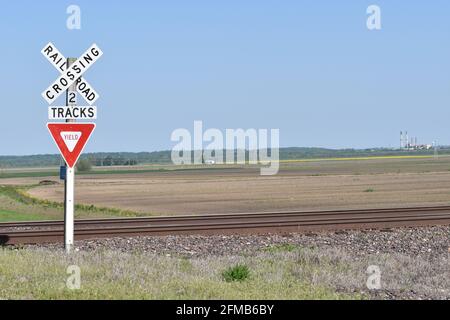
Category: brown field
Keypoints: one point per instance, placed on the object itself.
(318, 185)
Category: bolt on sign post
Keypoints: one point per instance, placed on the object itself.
(70, 137)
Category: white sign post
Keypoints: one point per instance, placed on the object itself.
(70, 81)
(69, 185)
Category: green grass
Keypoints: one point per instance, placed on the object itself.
(16, 216)
(21, 206)
(29, 174)
(369, 190)
(42, 274)
(97, 171)
(236, 273)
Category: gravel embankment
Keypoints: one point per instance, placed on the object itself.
(429, 243)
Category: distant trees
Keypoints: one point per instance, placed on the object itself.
(84, 165)
(108, 161)
(114, 161)
(164, 157)
(130, 162)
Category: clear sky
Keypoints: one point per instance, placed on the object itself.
(309, 68)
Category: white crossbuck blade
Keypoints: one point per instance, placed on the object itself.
(71, 75)
(57, 59)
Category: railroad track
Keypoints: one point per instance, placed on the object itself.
(271, 222)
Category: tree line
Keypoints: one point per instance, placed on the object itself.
(164, 157)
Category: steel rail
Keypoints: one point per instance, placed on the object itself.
(190, 218)
(282, 222)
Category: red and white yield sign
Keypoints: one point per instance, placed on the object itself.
(71, 138)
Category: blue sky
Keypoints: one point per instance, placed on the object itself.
(309, 68)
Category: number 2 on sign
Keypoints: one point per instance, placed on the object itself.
(72, 98)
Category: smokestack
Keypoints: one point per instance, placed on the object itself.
(401, 140)
(406, 139)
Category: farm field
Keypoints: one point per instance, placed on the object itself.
(312, 185)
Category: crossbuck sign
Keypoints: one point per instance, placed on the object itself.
(71, 75)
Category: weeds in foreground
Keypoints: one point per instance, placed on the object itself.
(111, 274)
(238, 272)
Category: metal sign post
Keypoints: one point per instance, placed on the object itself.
(69, 184)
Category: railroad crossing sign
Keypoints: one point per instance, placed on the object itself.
(71, 75)
(71, 139)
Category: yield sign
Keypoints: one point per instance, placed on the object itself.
(71, 139)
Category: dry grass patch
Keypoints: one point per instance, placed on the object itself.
(41, 274)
